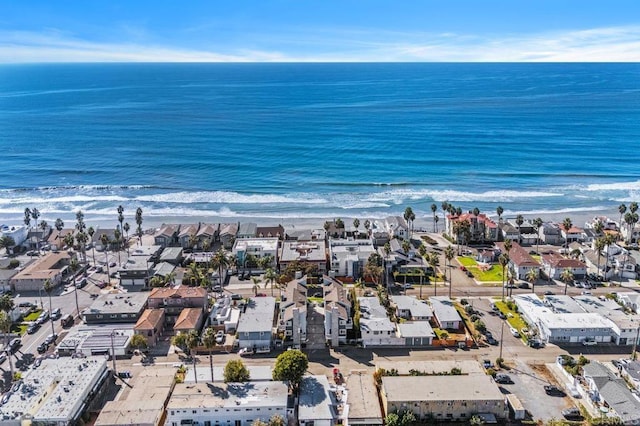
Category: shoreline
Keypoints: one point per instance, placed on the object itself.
(423, 223)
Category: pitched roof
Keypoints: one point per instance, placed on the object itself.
(519, 256)
(188, 319)
(181, 291)
(149, 319)
(557, 261)
(208, 229)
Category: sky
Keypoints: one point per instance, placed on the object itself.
(319, 31)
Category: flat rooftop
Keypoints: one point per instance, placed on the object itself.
(258, 315)
(108, 303)
(228, 395)
(362, 398)
(315, 401)
(266, 244)
(465, 366)
(473, 387)
(55, 391)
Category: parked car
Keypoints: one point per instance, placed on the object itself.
(56, 314)
(14, 344)
(470, 274)
(503, 379)
(492, 341)
(502, 315)
(51, 338)
(220, 336)
(407, 286)
(572, 414)
(523, 285)
(554, 390)
(486, 363)
(33, 327)
(236, 296)
(589, 342)
(44, 316)
(42, 347)
(217, 288)
(3, 357)
(549, 293)
(245, 352)
(462, 268)
(514, 332)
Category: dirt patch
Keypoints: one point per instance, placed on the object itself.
(542, 371)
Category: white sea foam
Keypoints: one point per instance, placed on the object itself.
(616, 186)
(398, 196)
(224, 197)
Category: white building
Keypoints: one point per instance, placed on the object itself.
(56, 392)
(18, 233)
(256, 323)
(256, 247)
(236, 404)
(445, 313)
(376, 328)
(412, 309)
(348, 257)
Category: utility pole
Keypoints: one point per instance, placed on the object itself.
(113, 352)
(501, 337)
(635, 344)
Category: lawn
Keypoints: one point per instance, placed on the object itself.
(493, 274)
(514, 320)
(32, 316)
(318, 300)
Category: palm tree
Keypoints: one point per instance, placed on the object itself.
(120, 211)
(567, 225)
(356, 224)
(409, 216)
(27, 217)
(532, 277)
(449, 254)
(126, 229)
(220, 261)
(367, 226)
(519, 222)
(256, 285)
(436, 219)
(270, 277)
(7, 242)
(91, 232)
(139, 223)
(598, 227)
(5, 326)
(476, 211)
(434, 209)
(537, 223)
(48, 288)
(81, 238)
(188, 342)
(59, 225)
(35, 214)
(43, 227)
(499, 211)
(434, 261)
(117, 238)
(599, 245)
(621, 209)
(504, 261)
(209, 341)
(508, 244)
(566, 276)
(104, 240)
(74, 266)
(609, 239)
(387, 251)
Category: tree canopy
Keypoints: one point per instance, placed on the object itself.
(290, 367)
(236, 372)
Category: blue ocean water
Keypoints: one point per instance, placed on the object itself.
(295, 141)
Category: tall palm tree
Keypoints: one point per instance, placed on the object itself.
(220, 261)
(409, 216)
(566, 277)
(7, 242)
(532, 277)
(387, 251)
(476, 211)
(499, 211)
(104, 240)
(82, 238)
(117, 237)
(48, 288)
(270, 277)
(256, 285)
(35, 214)
(209, 341)
(126, 227)
(356, 224)
(74, 266)
(434, 262)
(622, 209)
(436, 219)
(91, 232)
(449, 254)
(503, 260)
(192, 343)
(599, 245)
(598, 227)
(609, 239)
(5, 326)
(139, 224)
(434, 209)
(444, 206)
(537, 223)
(27, 217)
(567, 225)
(120, 211)
(367, 226)
(519, 222)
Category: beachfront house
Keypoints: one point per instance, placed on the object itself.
(397, 227)
(271, 231)
(550, 233)
(187, 235)
(167, 235)
(247, 230)
(227, 234)
(257, 248)
(17, 233)
(207, 234)
(481, 227)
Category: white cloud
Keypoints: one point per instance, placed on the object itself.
(611, 44)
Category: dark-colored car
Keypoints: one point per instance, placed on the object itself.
(470, 274)
(236, 296)
(572, 414)
(14, 344)
(554, 390)
(503, 379)
(492, 341)
(42, 348)
(523, 285)
(33, 327)
(502, 315)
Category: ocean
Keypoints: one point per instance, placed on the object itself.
(306, 142)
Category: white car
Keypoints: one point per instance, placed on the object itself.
(515, 332)
(589, 342)
(220, 337)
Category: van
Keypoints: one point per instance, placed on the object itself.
(67, 320)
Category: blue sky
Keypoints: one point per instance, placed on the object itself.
(321, 30)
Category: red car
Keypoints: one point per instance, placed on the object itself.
(462, 268)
